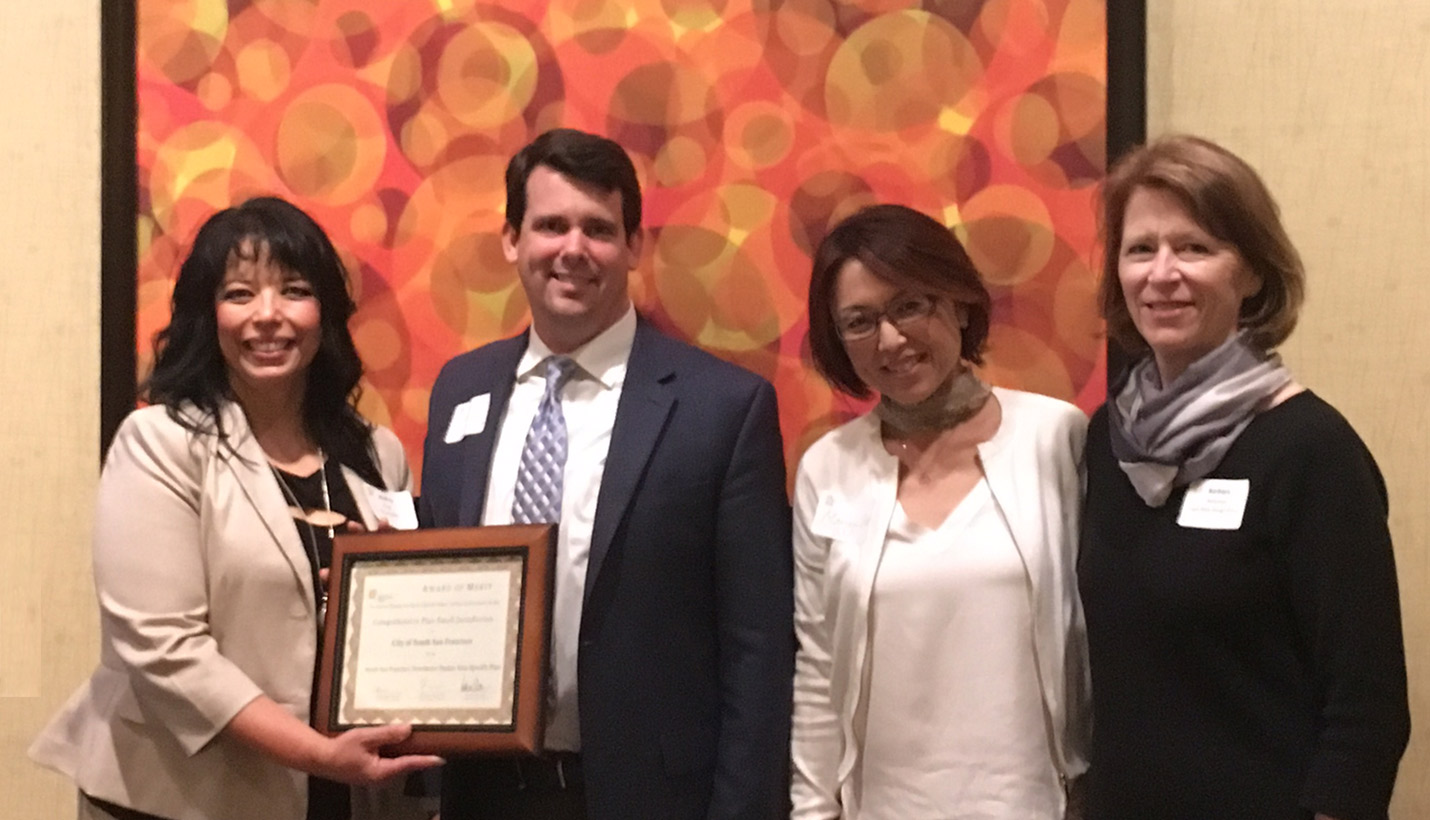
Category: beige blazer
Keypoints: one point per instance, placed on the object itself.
(206, 602)
(845, 493)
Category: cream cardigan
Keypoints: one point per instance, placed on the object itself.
(845, 493)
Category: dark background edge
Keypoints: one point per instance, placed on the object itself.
(1126, 106)
(119, 194)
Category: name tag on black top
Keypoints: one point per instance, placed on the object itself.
(1214, 504)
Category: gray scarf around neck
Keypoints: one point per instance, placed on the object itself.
(1168, 436)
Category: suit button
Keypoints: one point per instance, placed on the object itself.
(587, 644)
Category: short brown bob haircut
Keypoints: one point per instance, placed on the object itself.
(1229, 201)
(902, 247)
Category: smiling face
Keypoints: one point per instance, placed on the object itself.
(573, 257)
(268, 327)
(1183, 286)
(906, 364)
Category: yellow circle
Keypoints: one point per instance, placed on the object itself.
(263, 70)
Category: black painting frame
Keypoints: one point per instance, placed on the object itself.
(118, 207)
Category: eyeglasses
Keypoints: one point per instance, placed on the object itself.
(903, 313)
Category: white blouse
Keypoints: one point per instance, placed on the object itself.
(845, 502)
(952, 721)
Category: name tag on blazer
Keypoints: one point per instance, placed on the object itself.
(839, 519)
(468, 418)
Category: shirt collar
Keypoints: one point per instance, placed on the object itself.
(603, 358)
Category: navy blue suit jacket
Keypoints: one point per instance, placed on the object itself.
(686, 652)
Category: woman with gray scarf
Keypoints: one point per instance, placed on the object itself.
(1236, 566)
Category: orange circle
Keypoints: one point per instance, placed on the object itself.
(1008, 233)
(680, 161)
(486, 75)
(263, 69)
(805, 27)
(1027, 129)
(330, 144)
(368, 223)
(758, 134)
(179, 40)
(1076, 318)
(214, 91)
(662, 94)
(899, 70)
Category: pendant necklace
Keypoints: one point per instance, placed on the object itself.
(324, 517)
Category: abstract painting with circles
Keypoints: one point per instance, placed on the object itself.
(754, 124)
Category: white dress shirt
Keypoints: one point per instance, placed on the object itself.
(588, 403)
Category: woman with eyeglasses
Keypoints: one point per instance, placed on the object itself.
(942, 662)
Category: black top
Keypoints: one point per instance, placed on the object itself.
(1248, 673)
(307, 491)
(326, 800)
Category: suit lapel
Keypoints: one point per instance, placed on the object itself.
(477, 450)
(248, 465)
(641, 415)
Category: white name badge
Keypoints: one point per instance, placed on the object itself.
(396, 507)
(1215, 504)
(837, 519)
(468, 418)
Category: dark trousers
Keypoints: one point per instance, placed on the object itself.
(547, 788)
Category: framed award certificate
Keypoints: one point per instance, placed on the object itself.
(443, 629)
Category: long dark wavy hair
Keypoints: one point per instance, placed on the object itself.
(189, 368)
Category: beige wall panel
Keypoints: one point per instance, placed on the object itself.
(1328, 100)
(49, 366)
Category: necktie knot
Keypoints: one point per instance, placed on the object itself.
(559, 370)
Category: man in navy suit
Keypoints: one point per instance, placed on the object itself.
(672, 637)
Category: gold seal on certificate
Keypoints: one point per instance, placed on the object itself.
(443, 629)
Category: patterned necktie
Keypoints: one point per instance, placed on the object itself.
(543, 460)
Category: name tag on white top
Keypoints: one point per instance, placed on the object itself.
(395, 507)
(1215, 504)
(836, 518)
(468, 418)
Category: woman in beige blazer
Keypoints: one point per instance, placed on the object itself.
(942, 661)
(215, 513)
